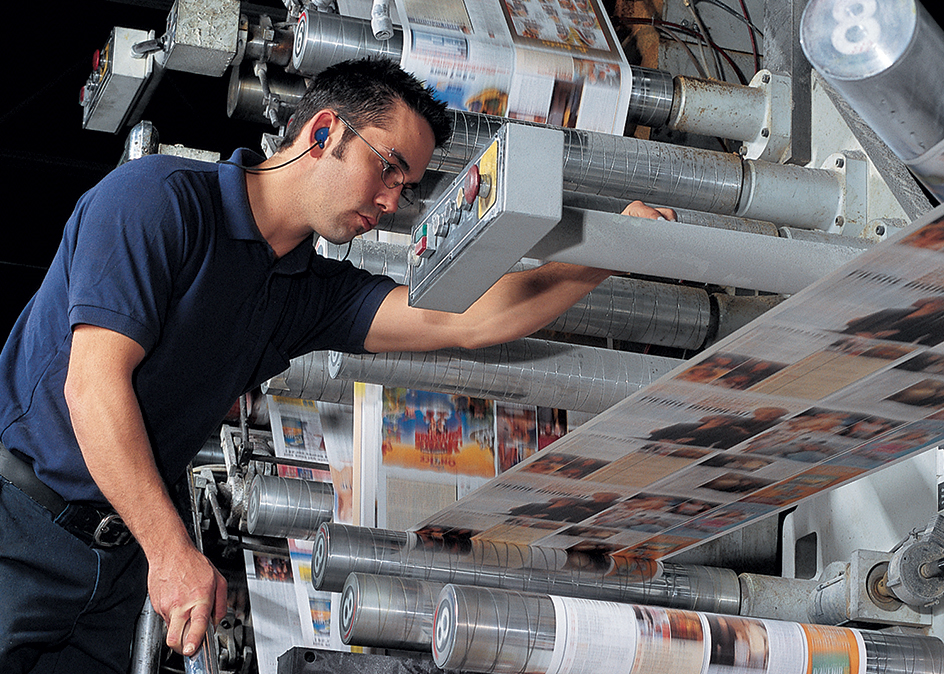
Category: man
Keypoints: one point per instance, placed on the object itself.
(179, 285)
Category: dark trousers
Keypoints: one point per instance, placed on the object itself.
(64, 606)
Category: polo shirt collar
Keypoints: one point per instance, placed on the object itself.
(238, 218)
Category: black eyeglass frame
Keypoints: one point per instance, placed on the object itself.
(389, 169)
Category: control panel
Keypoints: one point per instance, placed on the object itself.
(501, 204)
(117, 81)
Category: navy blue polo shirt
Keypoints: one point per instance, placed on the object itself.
(165, 251)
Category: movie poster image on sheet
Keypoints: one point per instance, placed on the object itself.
(438, 432)
(516, 433)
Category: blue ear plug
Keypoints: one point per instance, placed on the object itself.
(321, 135)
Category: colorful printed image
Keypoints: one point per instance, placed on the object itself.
(932, 363)
(737, 644)
(568, 24)
(735, 483)
(722, 518)
(805, 484)
(921, 322)
(931, 237)
(321, 614)
(271, 567)
(926, 393)
(908, 440)
(731, 371)
(516, 433)
(719, 431)
(439, 432)
(566, 508)
(552, 425)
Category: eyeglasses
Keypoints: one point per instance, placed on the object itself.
(391, 174)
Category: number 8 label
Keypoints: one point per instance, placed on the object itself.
(857, 29)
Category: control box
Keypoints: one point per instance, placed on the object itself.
(501, 204)
(117, 81)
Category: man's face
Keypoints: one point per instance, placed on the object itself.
(348, 194)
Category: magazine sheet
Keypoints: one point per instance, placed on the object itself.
(838, 381)
(551, 61)
(287, 611)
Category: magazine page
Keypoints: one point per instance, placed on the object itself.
(842, 379)
(556, 62)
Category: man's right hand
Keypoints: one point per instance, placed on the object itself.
(188, 592)
(185, 589)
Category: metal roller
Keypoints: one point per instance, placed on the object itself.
(631, 310)
(488, 630)
(527, 371)
(288, 507)
(388, 612)
(657, 98)
(340, 550)
(877, 55)
(324, 38)
(650, 100)
(659, 173)
(887, 653)
(307, 378)
(246, 97)
(603, 164)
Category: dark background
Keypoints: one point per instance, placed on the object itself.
(49, 160)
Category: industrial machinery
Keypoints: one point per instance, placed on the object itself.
(782, 182)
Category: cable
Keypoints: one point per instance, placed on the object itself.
(668, 25)
(252, 169)
(691, 55)
(743, 16)
(750, 32)
(704, 31)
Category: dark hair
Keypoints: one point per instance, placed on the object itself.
(365, 92)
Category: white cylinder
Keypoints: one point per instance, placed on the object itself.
(884, 57)
(713, 108)
(810, 198)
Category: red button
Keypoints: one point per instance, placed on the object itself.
(472, 183)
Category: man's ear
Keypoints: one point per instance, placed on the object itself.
(320, 129)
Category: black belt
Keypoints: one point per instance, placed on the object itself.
(97, 527)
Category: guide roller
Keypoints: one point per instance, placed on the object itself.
(388, 612)
(288, 507)
(341, 549)
(490, 630)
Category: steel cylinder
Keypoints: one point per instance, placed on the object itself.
(324, 38)
(340, 550)
(790, 195)
(489, 630)
(527, 371)
(617, 166)
(774, 597)
(307, 378)
(878, 54)
(715, 108)
(626, 309)
(245, 97)
(288, 507)
(650, 100)
(388, 612)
